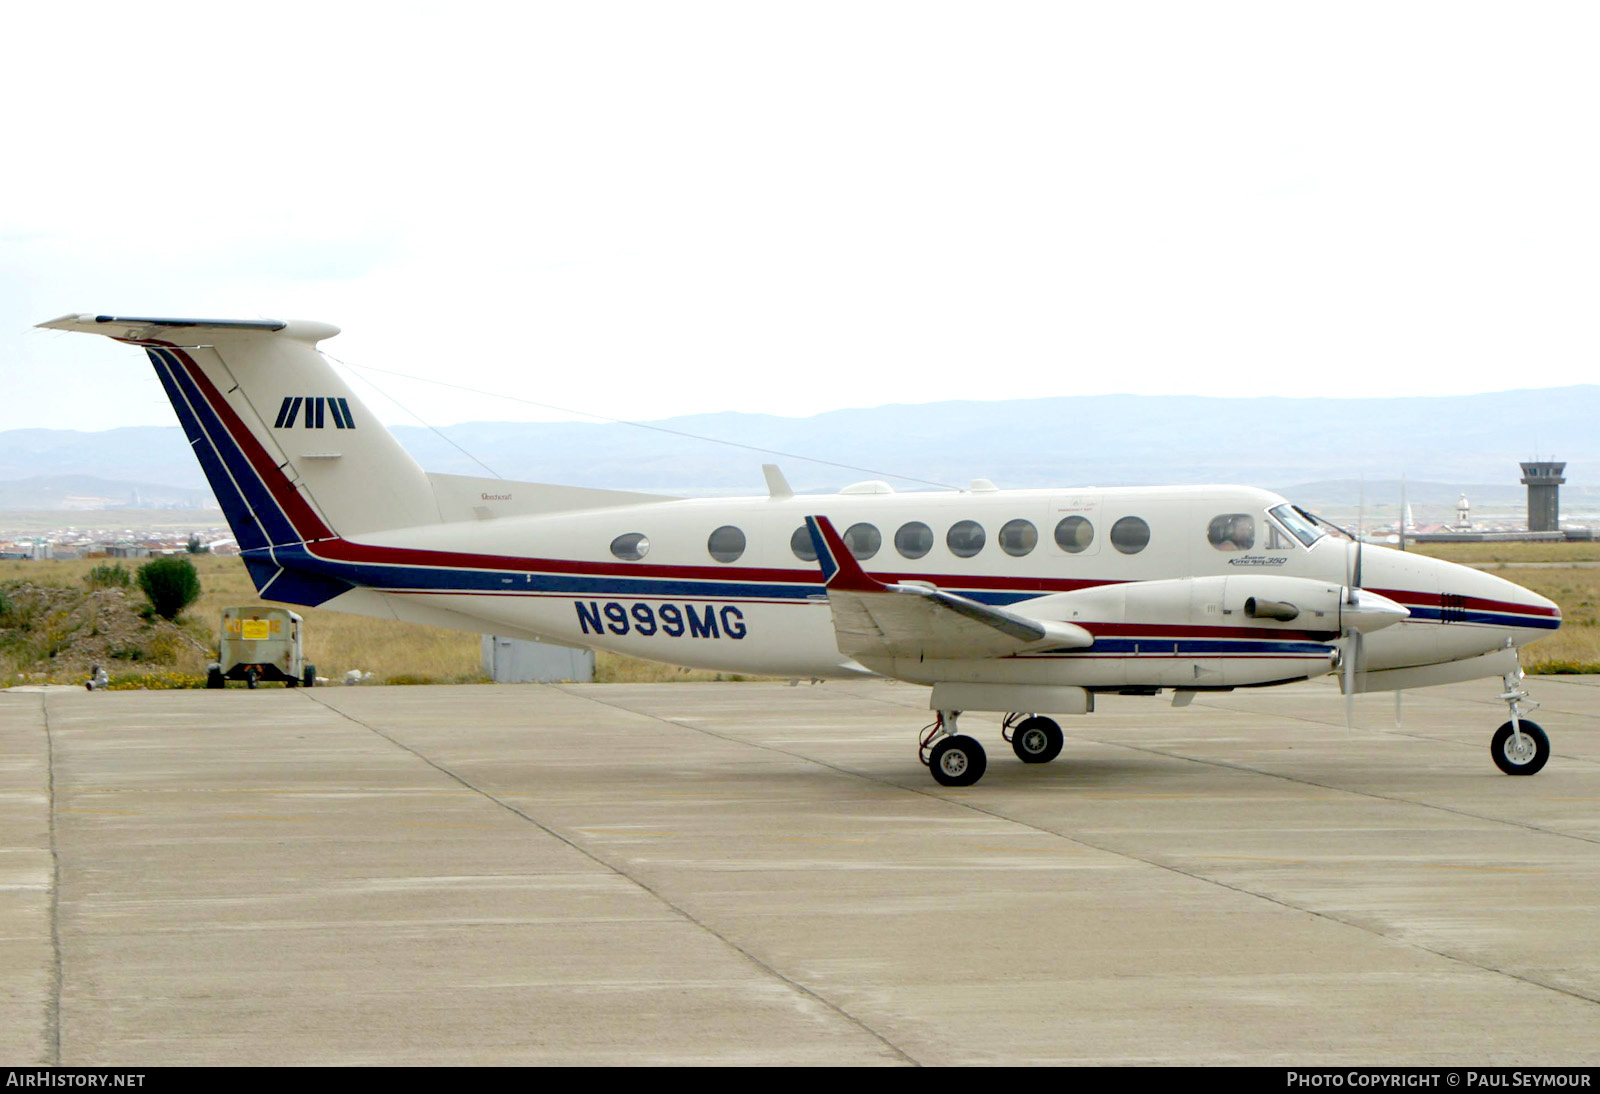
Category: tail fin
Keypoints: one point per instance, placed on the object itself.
(291, 453)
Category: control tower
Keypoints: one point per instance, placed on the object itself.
(1543, 480)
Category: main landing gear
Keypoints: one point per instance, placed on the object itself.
(959, 760)
(1519, 747)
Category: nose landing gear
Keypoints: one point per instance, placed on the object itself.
(1519, 747)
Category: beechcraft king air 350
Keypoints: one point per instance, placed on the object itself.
(1022, 602)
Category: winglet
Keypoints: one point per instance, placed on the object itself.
(840, 570)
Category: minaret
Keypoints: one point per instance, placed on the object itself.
(1543, 480)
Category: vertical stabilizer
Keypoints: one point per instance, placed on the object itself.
(291, 453)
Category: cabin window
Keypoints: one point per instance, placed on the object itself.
(1018, 537)
(965, 538)
(914, 540)
(1130, 535)
(800, 543)
(863, 540)
(1232, 532)
(631, 547)
(726, 544)
(1074, 534)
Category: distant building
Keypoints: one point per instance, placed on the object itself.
(1543, 480)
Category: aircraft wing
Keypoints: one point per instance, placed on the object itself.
(874, 619)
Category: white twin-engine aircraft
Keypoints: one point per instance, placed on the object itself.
(1025, 602)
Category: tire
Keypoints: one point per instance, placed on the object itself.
(310, 680)
(250, 679)
(957, 761)
(215, 679)
(1037, 740)
(1526, 762)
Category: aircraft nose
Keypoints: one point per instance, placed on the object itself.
(1496, 607)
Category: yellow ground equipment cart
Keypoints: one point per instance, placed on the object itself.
(261, 644)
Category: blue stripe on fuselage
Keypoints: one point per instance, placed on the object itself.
(1423, 614)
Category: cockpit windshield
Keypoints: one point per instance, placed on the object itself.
(1301, 524)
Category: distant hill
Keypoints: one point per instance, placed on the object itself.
(88, 492)
(1453, 442)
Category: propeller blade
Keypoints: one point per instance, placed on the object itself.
(1351, 666)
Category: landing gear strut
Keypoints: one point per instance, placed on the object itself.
(954, 758)
(1519, 747)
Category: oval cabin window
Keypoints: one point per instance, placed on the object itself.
(1130, 535)
(1074, 534)
(965, 538)
(800, 543)
(726, 544)
(863, 540)
(914, 539)
(631, 547)
(1018, 537)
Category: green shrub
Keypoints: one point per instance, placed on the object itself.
(108, 577)
(170, 584)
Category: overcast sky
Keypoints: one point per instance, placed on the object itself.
(648, 209)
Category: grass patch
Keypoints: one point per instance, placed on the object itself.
(394, 652)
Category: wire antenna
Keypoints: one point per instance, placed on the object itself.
(623, 421)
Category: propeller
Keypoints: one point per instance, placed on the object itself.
(1397, 691)
(1360, 611)
(1354, 650)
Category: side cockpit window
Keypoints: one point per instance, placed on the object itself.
(1232, 532)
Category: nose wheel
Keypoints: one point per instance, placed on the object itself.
(1519, 747)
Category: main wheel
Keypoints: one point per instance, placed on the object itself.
(215, 679)
(957, 761)
(1037, 740)
(1524, 760)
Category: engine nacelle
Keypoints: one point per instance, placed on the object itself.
(1256, 600)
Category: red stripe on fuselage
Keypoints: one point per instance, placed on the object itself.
(1467, 603)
